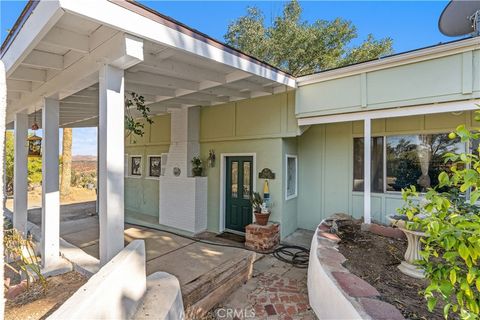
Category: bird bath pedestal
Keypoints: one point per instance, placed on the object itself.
(413, 251)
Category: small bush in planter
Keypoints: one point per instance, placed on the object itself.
(451, 246)
(197, 168)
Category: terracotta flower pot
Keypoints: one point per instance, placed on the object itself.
(261, 218)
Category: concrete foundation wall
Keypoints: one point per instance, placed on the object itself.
(114, 292)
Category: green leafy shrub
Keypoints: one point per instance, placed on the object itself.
(451, 222)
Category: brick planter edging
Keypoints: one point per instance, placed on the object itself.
(358, 293)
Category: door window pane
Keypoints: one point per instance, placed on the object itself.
(246, 180)
(418, 160)
(235, 179)
(376, 170)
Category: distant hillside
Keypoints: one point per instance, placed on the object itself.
(84, 158)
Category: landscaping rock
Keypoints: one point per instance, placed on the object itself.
(354, 286)
(385, 231)
(380, 310)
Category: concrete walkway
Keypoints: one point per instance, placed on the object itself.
(182, 257)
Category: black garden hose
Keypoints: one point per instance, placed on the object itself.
(297, 256)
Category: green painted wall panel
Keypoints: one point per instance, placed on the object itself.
(449, 78)
(141, 193)
(160, 130)
(268, 154)
(311, 151)
(404, 124)
(329, 95)
(416, 80)
(450, 121)
(267, 111)
(257, 118)
(338, 168)
(289, 211)
(218, 121)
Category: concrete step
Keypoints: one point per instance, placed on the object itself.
(163, 299)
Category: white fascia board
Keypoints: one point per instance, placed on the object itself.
(455, 106)
(393, 61)
(106, 12)
(41, 20)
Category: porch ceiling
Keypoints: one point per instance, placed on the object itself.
(168, 77)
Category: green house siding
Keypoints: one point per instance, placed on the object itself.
(449, 78)
(254, 126)
(289, 207)
(326, 165)
(264, 117)
(142, 193)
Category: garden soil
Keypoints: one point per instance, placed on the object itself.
(36, 303)
(375, 259)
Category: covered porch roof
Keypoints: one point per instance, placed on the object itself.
(56, 48)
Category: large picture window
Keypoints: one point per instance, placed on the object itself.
(376, 167)
(418, 160)
(408, 160)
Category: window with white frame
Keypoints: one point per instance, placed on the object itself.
(404, 160)
(154, 166)
(291, 181)
(136, 166)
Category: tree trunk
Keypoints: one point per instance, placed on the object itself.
(66, 162)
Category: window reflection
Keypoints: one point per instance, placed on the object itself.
(246, 180)
(376, 167)
(235, 179)
(418, 160)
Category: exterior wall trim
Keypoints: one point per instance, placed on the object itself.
(396, 112)
(223, 167)
(293, 196)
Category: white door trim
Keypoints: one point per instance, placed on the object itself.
(223, 168)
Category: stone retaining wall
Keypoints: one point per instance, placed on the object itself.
(334, 292)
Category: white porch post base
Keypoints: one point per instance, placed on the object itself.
(111, 161)
(367, 133)
(50, 185)
(20, 180)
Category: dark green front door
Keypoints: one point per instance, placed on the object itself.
(239, 179)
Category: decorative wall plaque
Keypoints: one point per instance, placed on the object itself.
(266, 173)
(176, 171)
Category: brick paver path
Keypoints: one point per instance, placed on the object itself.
(277, 291)
(278, 297)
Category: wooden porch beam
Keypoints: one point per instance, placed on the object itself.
(45, 60)
(67, 39)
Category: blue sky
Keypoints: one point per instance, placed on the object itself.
(411, 25)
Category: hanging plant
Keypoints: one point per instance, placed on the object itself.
(136, 103)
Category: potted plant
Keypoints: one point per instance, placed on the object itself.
(260, 209)
(197, 168)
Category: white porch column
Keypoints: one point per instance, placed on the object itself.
(111, 161)
(50, 184)
(20, 173)
(367, 156)
(3, 109)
